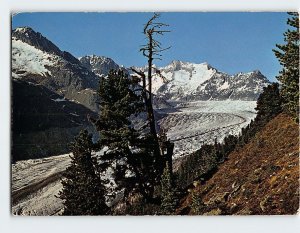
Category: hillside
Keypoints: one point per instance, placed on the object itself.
(37, 60)
(259, 178)
(43, 122)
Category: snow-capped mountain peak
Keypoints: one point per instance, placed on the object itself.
(35, 39)
(37, 60)
(180, 77)
(100, 65)
(200, 81)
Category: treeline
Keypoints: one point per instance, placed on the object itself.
(288, 56)
(204, 162)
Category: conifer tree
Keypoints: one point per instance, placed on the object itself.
(268, 104)
(130, 154)
(83, 189)
(197, 204)
(168, 194)
(117, 104)
(288, 56)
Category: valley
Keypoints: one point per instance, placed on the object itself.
(36, 182)
(202, 122)
(194, 103)
(196, 118)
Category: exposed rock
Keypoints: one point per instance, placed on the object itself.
(187, 81)
(217, 199)
(43, 122)
(36, 59)
(99, 65)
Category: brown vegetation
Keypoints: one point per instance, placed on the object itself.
(260, 178)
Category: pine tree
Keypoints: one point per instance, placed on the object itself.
(83, 189)
(130, 154)
(197, 204)
(117, 104)
(268, 104)
(168, 194)
(288, 56)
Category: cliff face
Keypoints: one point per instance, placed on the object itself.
(52, 95)
(261, 178)
(43, 122)
(37, 60)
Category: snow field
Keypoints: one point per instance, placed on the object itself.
(28, 59)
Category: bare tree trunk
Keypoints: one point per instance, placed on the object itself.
(152, 51)
(150, 97)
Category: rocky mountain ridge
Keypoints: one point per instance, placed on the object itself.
(185, 81)
(99, 65)
(41, 64)
(36, 59)
(52, 96)
(37, 40)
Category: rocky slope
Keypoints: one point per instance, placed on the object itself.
(36, 59)
(43, 122)
(185, 81)
(52, 95)
(99, 65)
(260, 178)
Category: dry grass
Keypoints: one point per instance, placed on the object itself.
(260, 178)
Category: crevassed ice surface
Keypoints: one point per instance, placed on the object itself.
(190, 126)
(201, 122)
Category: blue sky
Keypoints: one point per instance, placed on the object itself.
(230, 42)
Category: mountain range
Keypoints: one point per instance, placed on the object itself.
(68, 86)
(186, 81)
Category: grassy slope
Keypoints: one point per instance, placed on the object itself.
(260, 178)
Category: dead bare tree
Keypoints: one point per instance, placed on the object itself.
(152, 51)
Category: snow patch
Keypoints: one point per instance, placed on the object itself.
(28, 59)
(224, 86)
(183, 77)
(59, 99)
